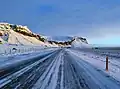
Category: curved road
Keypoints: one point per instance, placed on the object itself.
(58, 69)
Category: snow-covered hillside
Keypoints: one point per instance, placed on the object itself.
(20, 35)
(80, 43)
(16, 38)
(71, 41)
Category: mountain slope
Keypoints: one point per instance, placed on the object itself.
(16, 38)
(79, 42)
(21, 35)
(9, 35)
(71, 41)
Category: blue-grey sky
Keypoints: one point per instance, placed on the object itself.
(97, 20)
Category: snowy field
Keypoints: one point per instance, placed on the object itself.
(111, 52)
(97, 57)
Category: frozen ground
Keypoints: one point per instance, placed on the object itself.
(98, 59)
(57, 68)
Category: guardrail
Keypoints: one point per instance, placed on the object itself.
(14, 49)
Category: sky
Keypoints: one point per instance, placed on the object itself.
(96, 20)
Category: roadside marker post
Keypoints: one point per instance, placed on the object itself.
(106, 63)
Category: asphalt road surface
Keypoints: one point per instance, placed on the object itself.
(58, 69)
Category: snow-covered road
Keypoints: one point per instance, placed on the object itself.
(58, 69)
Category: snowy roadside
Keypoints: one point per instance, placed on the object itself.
(24, 53)
(99, 62)
(14, 50)
(23, 69)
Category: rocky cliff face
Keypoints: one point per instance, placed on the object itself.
(84, 40)
(7, 26)
(17, 34)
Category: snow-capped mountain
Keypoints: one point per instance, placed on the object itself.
(21, 35)
(80, 42)
(71, 41)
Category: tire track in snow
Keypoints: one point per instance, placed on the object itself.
(60, 75)
(62, 70)
(27, 74)
(71, 78)
(50, 77)
(55, 74)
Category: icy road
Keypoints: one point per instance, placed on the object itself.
(55, 69)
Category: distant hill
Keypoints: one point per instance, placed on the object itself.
(69, 40)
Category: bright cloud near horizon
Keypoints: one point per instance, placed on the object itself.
(97, 20)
